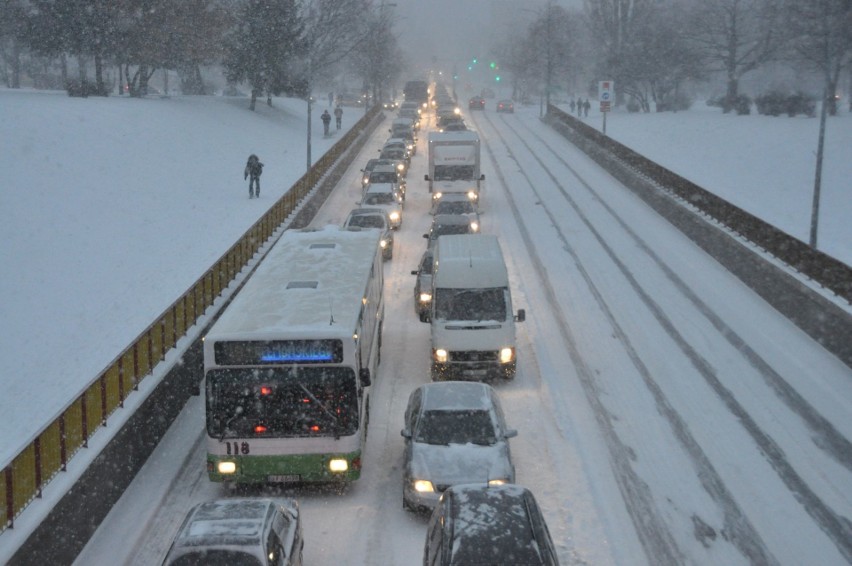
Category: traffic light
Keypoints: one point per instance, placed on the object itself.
(493, 65)
(474, 60)
(497, 78)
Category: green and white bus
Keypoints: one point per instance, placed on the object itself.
(288, 364)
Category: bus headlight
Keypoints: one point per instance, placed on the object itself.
(423, 486)
(338, 465)
(425, 297)
(507, 355)
(227, 467)
(441, 355)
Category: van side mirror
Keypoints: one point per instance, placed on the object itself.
(425, 177)
(510, 433)
(522, 315)
(364, 374)
(404, 433)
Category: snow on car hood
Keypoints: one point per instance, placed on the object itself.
(459, 463)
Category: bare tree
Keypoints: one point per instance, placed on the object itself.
(736, 37)
(616, 25)
(822, 38)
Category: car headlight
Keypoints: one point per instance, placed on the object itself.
(507, 355)
(383, 243)
(441, 355)
(423, 486)
(436, 196)
(366, 180)
(472, 195)
(227, 467)
(338, 465)
(425, 297)
(400, 167)
(474, 227)
(394, 216)
(456, 110)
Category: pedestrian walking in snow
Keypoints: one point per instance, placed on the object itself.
(586, 106)
(573, 106)
(579, 108)
(254, 168)
(326, 120)
(338, 116)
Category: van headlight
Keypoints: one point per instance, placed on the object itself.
(423, 486)
(507, 355)
(441, 355)
(394, 216)
(474, 227)
(472, 195)
(338, 465)
(227, 468)
(425, 297)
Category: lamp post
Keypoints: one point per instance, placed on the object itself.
(310, 101)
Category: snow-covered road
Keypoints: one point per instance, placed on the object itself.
(666, 414)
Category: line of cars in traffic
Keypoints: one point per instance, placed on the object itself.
(457, 458)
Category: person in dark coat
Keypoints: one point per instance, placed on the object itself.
(579, 107)
(338, 116)
(573, 106)
(254, 168)
(326, 120)
(586, 106)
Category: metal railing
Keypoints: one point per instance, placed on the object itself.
(48, 453)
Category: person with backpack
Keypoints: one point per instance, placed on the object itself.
(253, 169)
(326, 120)
(586, 106)
(338, 116)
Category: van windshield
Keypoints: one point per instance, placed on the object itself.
(470, 304)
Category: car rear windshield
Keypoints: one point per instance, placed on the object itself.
(379, 198)
(367, 221)
(216, 557)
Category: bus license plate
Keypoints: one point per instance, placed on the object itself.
(285, 478)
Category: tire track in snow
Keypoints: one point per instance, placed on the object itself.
(836, 527)
(655, 538)
(824, 434)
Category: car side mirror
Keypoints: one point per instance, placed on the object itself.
(415, 272)
(521, 316)
(510, 433)
(425, 177)
(364, 374)
(405, 434)
(426, 236)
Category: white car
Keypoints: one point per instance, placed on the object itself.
(455, 433)
(387, 197)
(364, 218)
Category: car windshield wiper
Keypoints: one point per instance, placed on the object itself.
(324, 410)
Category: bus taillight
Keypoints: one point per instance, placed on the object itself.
(259, 429)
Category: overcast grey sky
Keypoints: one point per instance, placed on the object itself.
(451, 32)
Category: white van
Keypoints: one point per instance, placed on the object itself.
(473, 325)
